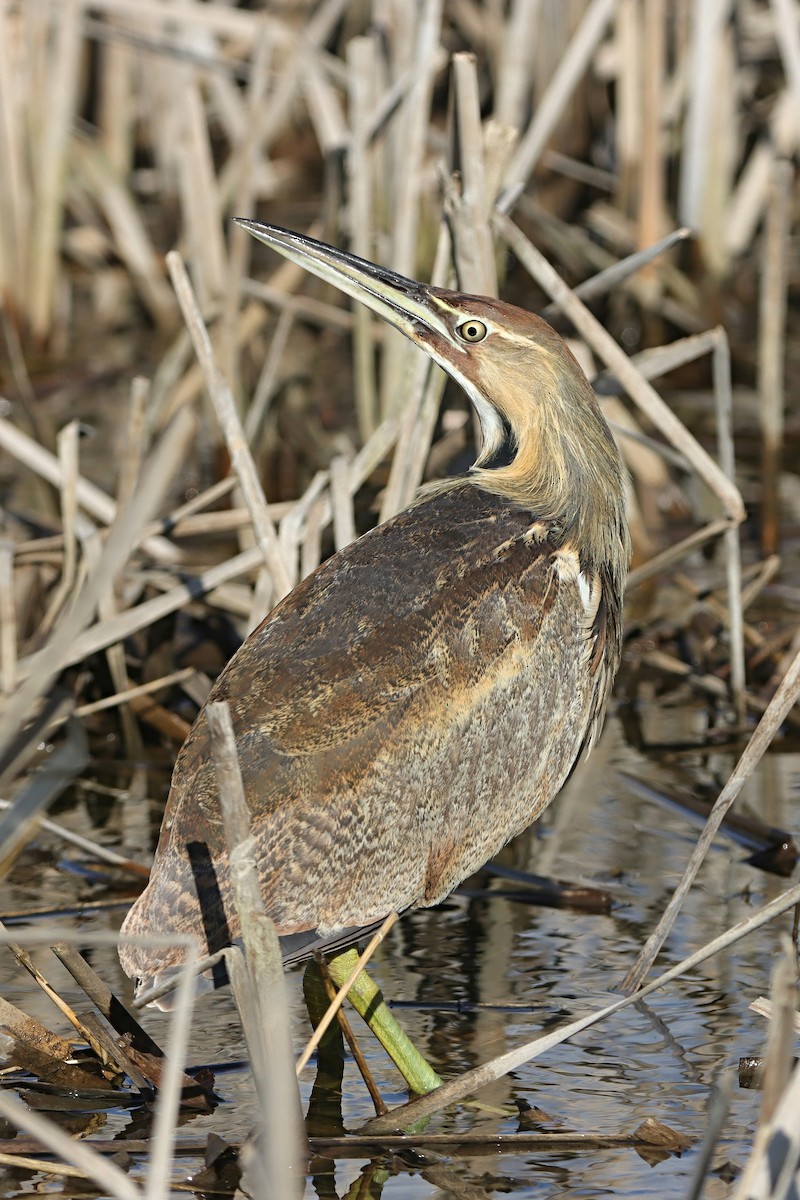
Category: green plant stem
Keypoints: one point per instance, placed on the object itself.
(367, 999)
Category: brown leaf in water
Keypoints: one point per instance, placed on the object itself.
(656, 1141)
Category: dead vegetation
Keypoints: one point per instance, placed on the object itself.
(187, 431)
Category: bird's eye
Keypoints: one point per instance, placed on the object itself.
(472, 331)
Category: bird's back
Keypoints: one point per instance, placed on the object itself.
(408, 708)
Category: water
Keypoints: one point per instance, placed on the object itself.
(660, 1059)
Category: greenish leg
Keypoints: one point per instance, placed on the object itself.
(367, 999)
(331, 1048)
(324, 1117)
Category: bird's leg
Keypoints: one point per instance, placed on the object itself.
(350, 1038)
(324, 1117)
(367, 999)
(330, 1050)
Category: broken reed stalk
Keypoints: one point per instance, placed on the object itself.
(787, 35)
(117, 661)
(778, 1057)
(240, 246)
(8, 619)
(750, 195)
(422, 30)
(135, 440)
(467, 202)
(128, 229)
(776, 1149)
(344, 524)
(639, 390)
(281, 1146)
(782, 702)
(231, 427)
(105, 1173)
(706, 31)
(24, 1162)
(570, 71)
(90, 497)
(772, 346)
(716, 1117)
(59, 102)
(351, 1143)
(15, 199)
(651, 200)
(267, 380)
(723, 401)
(69, 464)
(169, 1093)
(611, 277)
(516, 67)
(362, 75)
(45, 665)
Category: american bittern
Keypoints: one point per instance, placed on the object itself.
(422, 696)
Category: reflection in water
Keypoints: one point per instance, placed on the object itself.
(657, 1060)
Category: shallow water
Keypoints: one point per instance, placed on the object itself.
(658, 1060)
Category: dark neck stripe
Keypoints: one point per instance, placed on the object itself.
(505, 453)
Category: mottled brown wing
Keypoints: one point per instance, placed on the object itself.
(347, 649)
(354, 668)
(363, 630)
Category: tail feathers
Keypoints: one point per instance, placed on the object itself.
(298, 947)
(295, 948)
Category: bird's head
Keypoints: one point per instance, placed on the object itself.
(545, 442)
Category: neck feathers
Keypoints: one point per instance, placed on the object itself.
(559, 457)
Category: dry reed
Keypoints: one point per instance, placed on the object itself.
(128, 127)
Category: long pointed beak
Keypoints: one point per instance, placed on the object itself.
(414, 309)
(400, 301)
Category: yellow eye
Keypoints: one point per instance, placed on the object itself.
(472, 331)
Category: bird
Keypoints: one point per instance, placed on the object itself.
(421, 697)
